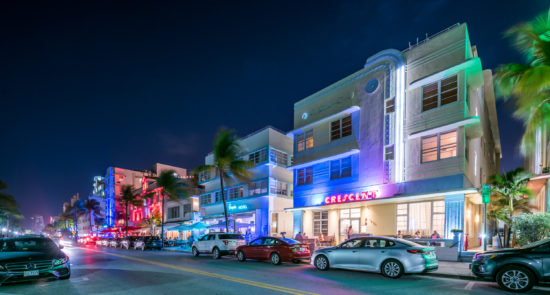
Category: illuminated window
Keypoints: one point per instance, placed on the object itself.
(258, 156)
(204, 175)
(278, 187)
(340, 168)
(235, 193)
(304, 176)
(174, 212)
(340, 128)
(205, 199)
(320, 223)
(257, 188)
(439, 93)
(441, 146)
(278, 157)
(421, 216)
(350, 217)
(304, 140)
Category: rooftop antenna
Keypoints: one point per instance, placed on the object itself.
(416, 40)
(427, 36)
(410, 46)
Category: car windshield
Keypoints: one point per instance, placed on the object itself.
(27, 245)
(231, 237)
(290, 241)
(536, 244)
(152, 238)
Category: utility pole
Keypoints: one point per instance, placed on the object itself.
(486, 198)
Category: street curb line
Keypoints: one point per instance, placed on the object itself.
(450, 276)
(174, 250)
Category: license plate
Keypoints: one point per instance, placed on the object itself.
(30, 273)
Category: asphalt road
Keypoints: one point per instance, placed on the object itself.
(116, 271)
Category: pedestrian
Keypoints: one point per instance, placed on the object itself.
(349, 232)
(283, 235)
(299, 236)
(417, 235)
(399, 234)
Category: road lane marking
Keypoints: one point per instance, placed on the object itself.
(215, 275)
(469, 286)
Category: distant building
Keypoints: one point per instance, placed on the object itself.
(537, 162)
(256, 207)
(37, 223)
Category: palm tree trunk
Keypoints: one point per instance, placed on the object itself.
(126, 231)
(162, 223)
(224, 203)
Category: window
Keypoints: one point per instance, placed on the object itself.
(304, 140)
(421, 216)
(204, 176)
(340, 128)
(256, 242)
(439, 93)
(187, 208)
(218, 196)
(205, 199)
(257, 188)
(173, 212)
(439, 146)
(340, 168)
(390, 105)
(236, 193)
(278, 157)
(356, 243)
(388, 152)
(278, 187)
(350, 217)
(320, 223)
(304, 176)
(258, 157)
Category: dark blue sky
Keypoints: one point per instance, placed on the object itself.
(89, 84)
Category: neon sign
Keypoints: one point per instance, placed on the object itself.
(346, 198)
(237, 208)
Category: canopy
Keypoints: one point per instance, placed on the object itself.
(186, 227)
(109, 230)
(222, 224)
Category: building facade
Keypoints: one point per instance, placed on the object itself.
(258, 207)
(403, 144)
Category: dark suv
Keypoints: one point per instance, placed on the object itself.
(29, 258)
(147, 242)
(516, 270)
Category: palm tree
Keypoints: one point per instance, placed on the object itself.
(511, 195)
(129, 198)
(171, 187)
(93, 208)
(75, 211)
(8, 205)
(228, 162)
(529, 83)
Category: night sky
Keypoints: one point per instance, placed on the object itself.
(89, 84)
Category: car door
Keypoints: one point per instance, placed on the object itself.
(374, 252)
(270, 245)
(255, 249)
(542, 253)
(201, 243)
(346, 255)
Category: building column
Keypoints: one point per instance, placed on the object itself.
(454, 214)
(262, 222)
(298, 221)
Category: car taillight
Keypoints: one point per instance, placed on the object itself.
(415, 251)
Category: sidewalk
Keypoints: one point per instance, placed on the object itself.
(447, 269)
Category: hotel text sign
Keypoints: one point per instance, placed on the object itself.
(346, 198)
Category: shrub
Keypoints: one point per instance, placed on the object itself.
(532, 227)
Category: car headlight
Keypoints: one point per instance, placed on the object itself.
(60, 261)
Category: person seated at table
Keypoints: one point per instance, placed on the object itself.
(299, 236)
(321, 237)
(417, 235)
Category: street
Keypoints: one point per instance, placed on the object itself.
(115, 271)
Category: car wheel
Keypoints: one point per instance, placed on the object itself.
(143, 248)
(392, 269)
(321, 262)
(275, 258)
(195, 251)
(515, 279)
(295, 261)
(241, 257)
(216, 253)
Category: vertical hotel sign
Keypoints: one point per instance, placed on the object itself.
(351, 197)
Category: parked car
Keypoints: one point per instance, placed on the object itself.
(274, 249)
(66, 241)
(217, 244)
(89, 240)
(147, 242)
(29, 258)
(103, 242)
(128, 242)
(516, 270)
(389, 256)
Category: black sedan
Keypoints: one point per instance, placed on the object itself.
(516, 270)
(28, 258)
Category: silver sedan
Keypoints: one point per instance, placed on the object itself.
(392, 257)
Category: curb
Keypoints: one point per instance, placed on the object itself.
(451, 276)
(174, 250)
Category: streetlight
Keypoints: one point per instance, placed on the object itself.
(4, 229)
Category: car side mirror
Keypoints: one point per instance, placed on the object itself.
(61, 247)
